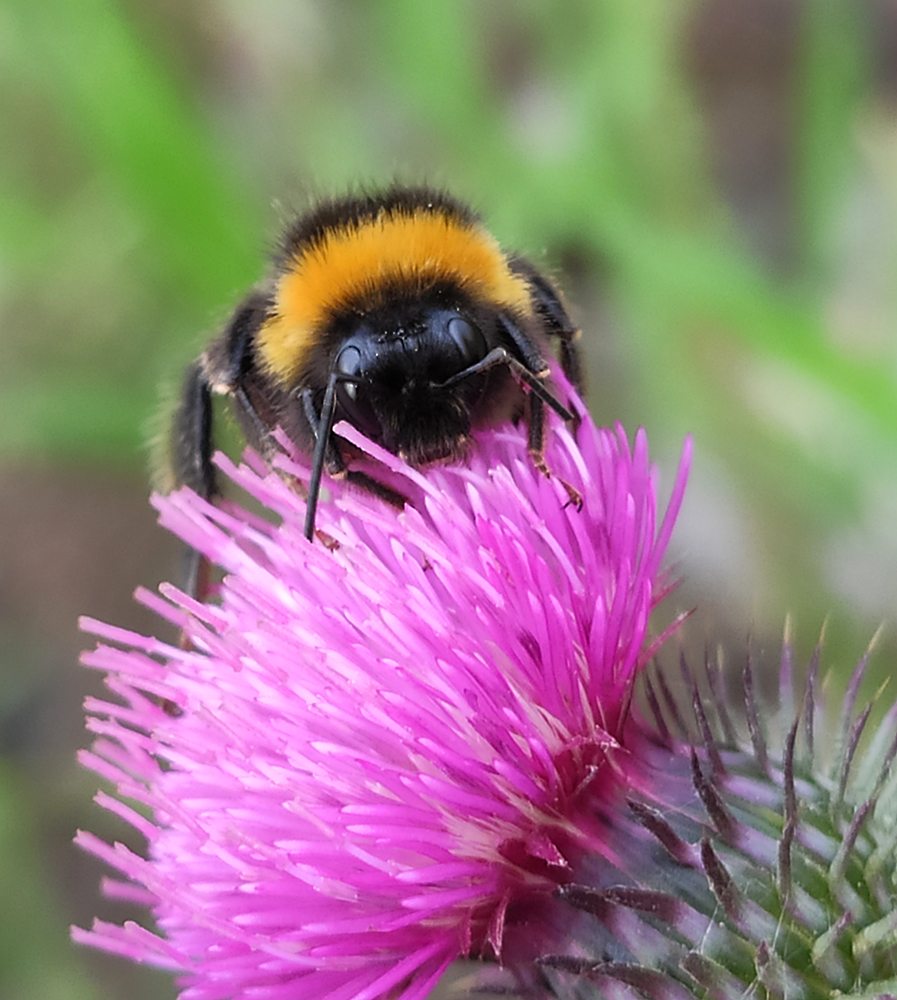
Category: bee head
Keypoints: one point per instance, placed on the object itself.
(399, 381)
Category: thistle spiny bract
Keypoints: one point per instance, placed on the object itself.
(754, 866)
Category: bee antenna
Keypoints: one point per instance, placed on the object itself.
(322, 437)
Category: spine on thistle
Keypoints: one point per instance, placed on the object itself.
(763, 862)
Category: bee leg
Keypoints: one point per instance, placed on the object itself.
(192, 434)
(535, 442)
(539, 397)
(534, 380)
(560, 325)
(371, 485)
(197, 581)
(218, 370)
(257, 431)
(533, 374)
(557, 322)
(536, 447)
(192, 456)
(229, 364)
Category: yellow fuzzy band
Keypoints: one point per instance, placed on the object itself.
(355, 263)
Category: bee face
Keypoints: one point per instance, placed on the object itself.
(396, 312)
(395, 370)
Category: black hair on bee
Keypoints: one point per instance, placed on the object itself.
(396, 311)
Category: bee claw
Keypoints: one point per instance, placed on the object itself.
(574, 497)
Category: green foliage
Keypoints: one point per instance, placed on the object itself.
(34, 956)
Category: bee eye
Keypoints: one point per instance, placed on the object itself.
(354, 404)
(349, 361)
(468, 339)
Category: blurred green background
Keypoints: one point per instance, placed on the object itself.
(713, 183)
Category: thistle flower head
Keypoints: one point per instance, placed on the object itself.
(381, 753)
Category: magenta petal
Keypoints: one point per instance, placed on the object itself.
(380, 747)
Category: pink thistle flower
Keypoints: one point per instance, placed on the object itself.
(389, 751)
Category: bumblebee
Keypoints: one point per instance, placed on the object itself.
(396, 311)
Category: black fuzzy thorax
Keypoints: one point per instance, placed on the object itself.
(346, 213)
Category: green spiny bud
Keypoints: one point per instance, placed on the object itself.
(754, 864)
